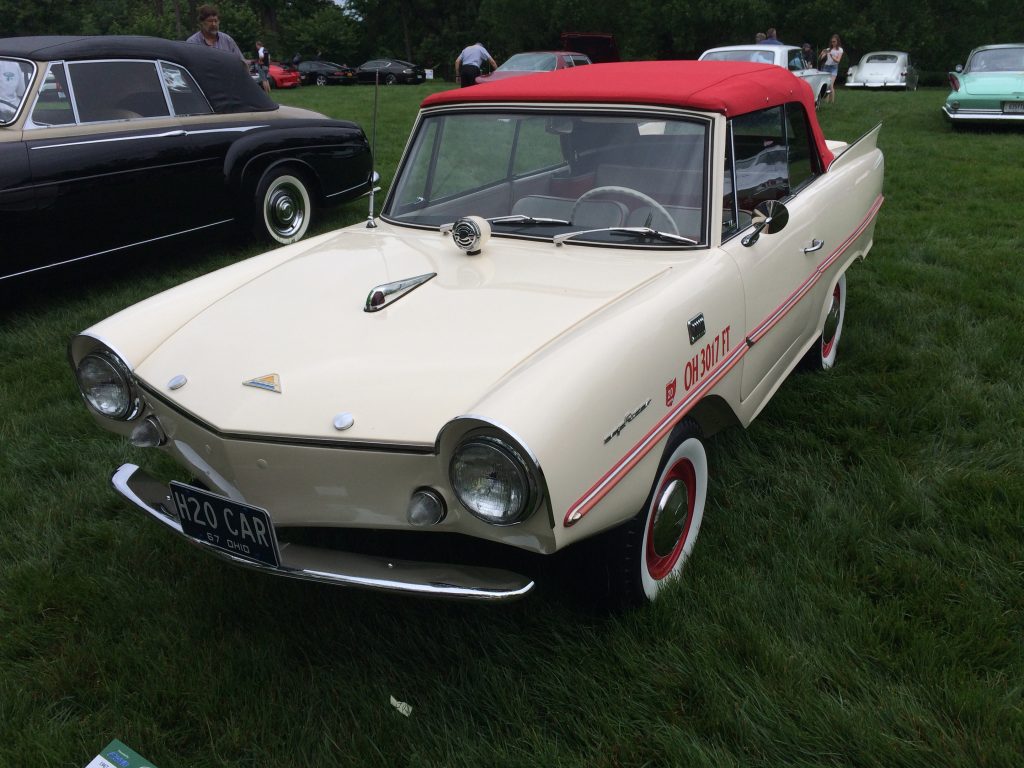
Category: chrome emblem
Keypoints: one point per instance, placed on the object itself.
(625, 421)
(470, 233)
(271, 382)
(383, 295)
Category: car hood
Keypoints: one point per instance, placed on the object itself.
(401, 372)
(993, 83)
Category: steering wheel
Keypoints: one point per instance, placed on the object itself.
(628, 192)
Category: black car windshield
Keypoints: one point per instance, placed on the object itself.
(584, 171)
(15, 76)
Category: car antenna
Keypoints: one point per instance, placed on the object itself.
(374, 176)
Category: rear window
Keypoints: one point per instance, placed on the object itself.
(882, 58)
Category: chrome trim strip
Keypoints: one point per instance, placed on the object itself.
(328, 566)
(118, 248)
(971, 115)
(163, 135)
(344, 191)
(623, 466)
(424, 449)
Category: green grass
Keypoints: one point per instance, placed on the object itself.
(856, 597)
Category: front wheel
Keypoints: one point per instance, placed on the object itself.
(822, 355)
(648, 553)
(390, 80)
(283, 207)
(321, 80)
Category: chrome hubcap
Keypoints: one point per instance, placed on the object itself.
(670, 518)
(285, 210)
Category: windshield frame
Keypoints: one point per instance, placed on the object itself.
(555, 109)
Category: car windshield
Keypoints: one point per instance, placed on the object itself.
(15, 77)
(998, 60)
(529, 62)
(555, 173)
(758, 57)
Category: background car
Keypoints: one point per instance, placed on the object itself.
(154, 139)
(786, 56)
(883, 69)
(533, 62)
(325, 73)
(990, 88)
(527, 352)
(390, 71)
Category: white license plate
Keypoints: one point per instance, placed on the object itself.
(239, 529)
(1013, 106)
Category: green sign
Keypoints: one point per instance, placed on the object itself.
(117, 755)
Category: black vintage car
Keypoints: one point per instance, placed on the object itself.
(325, 73)
(112, 142)
(389, 72)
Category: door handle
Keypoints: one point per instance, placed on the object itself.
(816, 245)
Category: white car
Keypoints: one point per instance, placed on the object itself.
(525, 352)
(786, 56)
(883, 69)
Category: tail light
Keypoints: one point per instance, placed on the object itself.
(954, 82)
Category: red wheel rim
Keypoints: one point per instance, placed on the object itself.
(827, 344)
(681, 478)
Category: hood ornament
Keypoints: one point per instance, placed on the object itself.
(470, 233)
(271, 382)
(388, 293)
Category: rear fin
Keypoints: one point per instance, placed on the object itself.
(855, 149)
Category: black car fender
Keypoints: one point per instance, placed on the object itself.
(335, 157)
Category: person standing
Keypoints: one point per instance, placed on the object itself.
(468, 63)
(209, 33)
(830, 58)
(807, 56)
(263, 66)
(771, 37)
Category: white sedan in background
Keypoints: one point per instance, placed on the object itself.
(786, 56)
(883, 69)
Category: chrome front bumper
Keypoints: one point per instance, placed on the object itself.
(331, 566)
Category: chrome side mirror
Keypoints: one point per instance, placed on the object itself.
(958, 68)
(769, 217)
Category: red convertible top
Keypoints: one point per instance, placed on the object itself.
(729, 87)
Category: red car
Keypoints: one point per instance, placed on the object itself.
(533, 62)
(281, 75)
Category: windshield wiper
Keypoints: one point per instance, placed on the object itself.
(520, 218)
(645, 231)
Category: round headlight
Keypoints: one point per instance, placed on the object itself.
(491, 480)
(106, 386)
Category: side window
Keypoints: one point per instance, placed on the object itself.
(770, 156)
(117, 90)
(186, 98)
(803, 156)
(53, 107)
(760, 162)
(795, 59)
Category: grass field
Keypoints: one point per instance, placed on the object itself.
(856, 597)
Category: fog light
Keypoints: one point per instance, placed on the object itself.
(954, 105)
(426, 507)
(148, 434)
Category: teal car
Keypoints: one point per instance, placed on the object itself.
(989, 88)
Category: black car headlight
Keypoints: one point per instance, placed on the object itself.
(493, 480)
(106, 384)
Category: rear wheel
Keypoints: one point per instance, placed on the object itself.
(822, 355)
(283, 206)
(390, 79)
(649, 552)
(321, 79)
